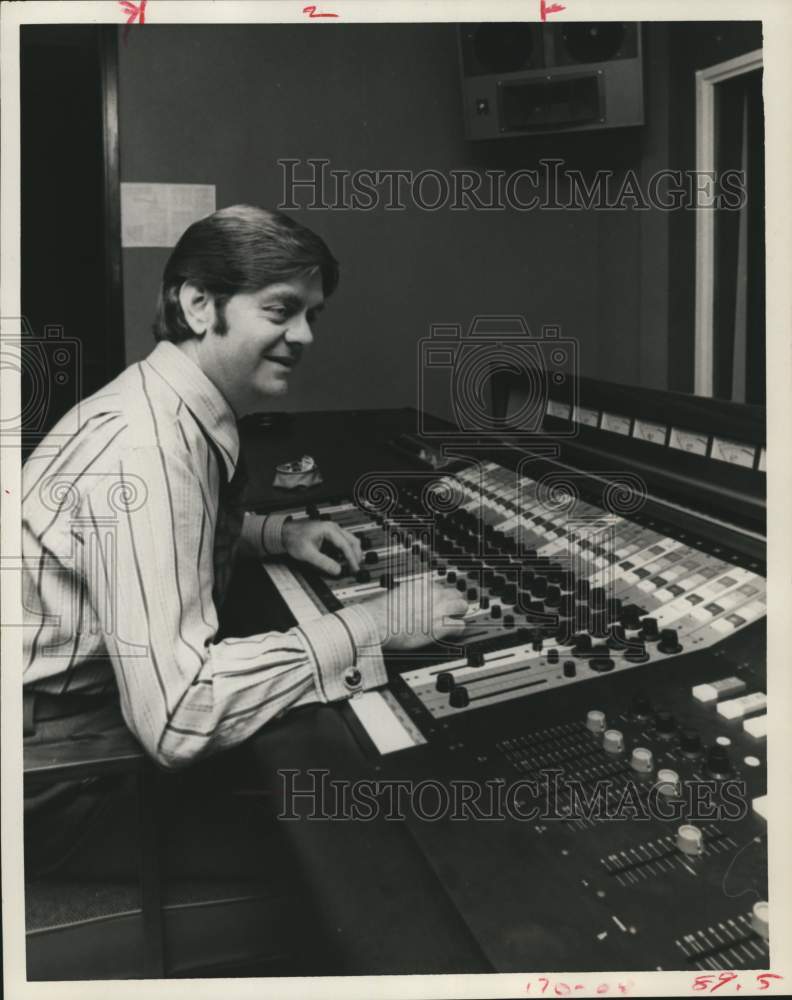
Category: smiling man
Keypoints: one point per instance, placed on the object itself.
(128, 530)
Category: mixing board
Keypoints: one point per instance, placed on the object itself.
(610, 682)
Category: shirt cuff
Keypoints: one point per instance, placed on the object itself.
(263, 533)
(346, 653)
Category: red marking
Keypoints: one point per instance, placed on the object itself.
(311, 12)
(723, 978)
(552, 8)
(764, 976)
(136, 12)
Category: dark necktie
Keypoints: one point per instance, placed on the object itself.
(230, 514)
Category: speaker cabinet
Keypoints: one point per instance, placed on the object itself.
(522, 78)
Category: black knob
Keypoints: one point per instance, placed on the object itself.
(617, 638)
(552, 655)
(599, 626)
(614, 608)
(649, 631)
(508, 621)
(537, 642)
(539, 586)
(498, 584)
(641, 706)
(665, 724)
(484, 602)
(630, 617)
(509, 595)
(475, 658)
(582, 644)
(444, 682)
(669, 642)
(461, 586)
(495, 611)
(365, 542)
(566, 607)
(472, 594)
(458, 698)
(312, 510)
(570, 668)
(371, 557)
(441, 569)
(363, 576)
(553, 598)
(387, 581)
(690, 742)
(488, 577)
(602, 664)
(718, 762)
(451, 576)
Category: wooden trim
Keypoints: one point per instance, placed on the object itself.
(706, 81)
(114, 303)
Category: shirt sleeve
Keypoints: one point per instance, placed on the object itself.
(262, 534)
(150, 577)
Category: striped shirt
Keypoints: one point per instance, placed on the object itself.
(120, 515)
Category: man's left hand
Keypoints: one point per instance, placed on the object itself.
(303, 540)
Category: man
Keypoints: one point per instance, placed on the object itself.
(128, 529)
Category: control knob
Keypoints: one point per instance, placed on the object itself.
(690, 840)
(718, 762)
(642, 760)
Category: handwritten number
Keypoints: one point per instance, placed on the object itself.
(723, 978)
(310, 10)
(700, 983)
(552, 8)
(762, 977)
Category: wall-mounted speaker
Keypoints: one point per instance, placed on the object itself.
(528, 79)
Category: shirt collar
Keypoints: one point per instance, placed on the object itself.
(201, 396)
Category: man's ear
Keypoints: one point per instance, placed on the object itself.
(198, 307)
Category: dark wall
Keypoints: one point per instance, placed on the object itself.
(221, 104)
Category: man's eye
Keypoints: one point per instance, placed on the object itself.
(279, 312)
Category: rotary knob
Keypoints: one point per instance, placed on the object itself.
(570, 668)
(760, 919)
(718, 762)
(363, 576)
(669, 642)
(669, 783)
(636, 652)
(642, 760)
(649, 632)
(475, 658)
(582, 644)
(690, 743)
(595, 721)
(459, 698)
(601, 664)
(371, 557)
(613, 741)
(665, 724)
(690, 840)
(444, 682)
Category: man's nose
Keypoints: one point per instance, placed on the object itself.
(299, 331)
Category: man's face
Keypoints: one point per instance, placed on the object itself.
(264, 340)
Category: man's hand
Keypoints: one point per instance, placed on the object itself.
(418, 612)
(303, 540)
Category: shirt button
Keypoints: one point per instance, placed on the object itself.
(352, 678)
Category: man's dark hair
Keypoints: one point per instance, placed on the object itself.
(238, 249)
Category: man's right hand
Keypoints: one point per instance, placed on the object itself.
(417, 612)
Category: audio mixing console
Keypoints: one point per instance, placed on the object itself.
(602, 643)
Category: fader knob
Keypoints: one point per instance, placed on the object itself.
(363, 576)
(595, 721)
(461, 585)
(636, 653)
(484, 602)
(570, 668)
(760, 919)
(582, 644)
(387, 581)
(451, 576)
(613, 741)
(371, 557)
(642, 760)
(690, 840)
(475, 658)
(552, 655)
(718, 762)
(669, 642)
(617, 638)
(472, 594)
(459, 698)
(444, 682)
(649, 631)
(495, 611)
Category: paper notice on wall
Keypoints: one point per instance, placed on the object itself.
(155, 215)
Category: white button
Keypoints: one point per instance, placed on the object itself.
(756, 727)
(613, 741)
(736, 708)
(723, 741)
(751, 761)
(760, 806)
